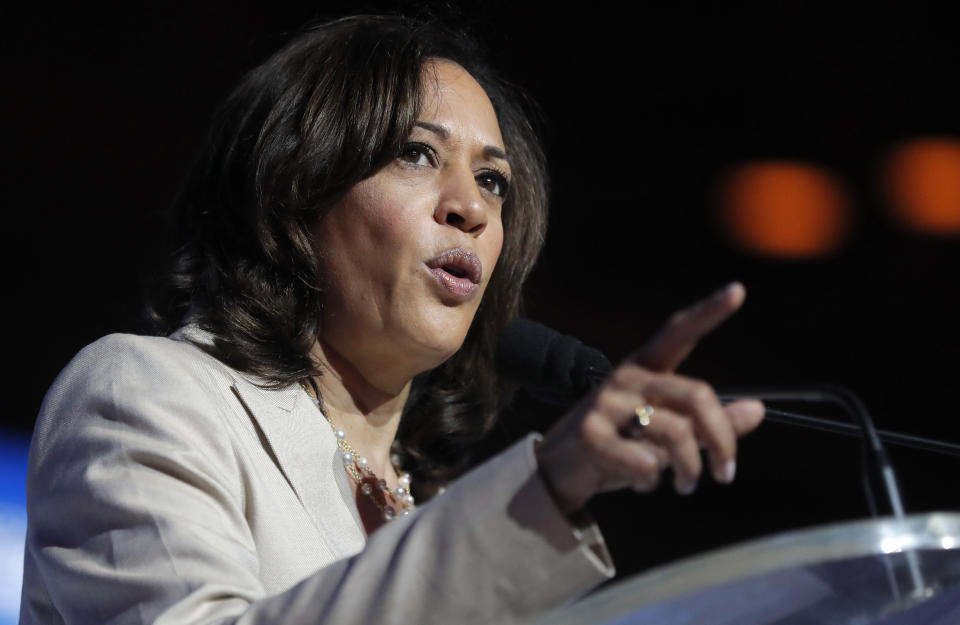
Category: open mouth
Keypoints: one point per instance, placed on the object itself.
(455, 271)
(459, 263)
(458, 272)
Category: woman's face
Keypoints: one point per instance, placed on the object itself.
(407, 253)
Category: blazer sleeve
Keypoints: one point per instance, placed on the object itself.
(136, 515)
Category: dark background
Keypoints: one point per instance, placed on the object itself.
(104, 108)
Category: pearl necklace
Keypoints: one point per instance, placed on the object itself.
(391, 503)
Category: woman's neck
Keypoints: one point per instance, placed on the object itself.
(368, 415)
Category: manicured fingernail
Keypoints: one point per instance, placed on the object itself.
(729, 471)
(685, 487)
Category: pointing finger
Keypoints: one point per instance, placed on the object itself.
(674, 342)
(745, 415)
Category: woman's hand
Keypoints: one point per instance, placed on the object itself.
(599, 445)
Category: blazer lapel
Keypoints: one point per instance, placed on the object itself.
(271, 415)
(270, 411)
(301, 444)
(304, 448)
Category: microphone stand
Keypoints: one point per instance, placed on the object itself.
(875, 456)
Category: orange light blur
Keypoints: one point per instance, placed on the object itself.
(784, 209)
(923, 182)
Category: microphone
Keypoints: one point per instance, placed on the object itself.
(554, 368)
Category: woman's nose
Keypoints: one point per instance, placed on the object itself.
(460, 204)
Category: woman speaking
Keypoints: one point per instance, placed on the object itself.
(346, 251)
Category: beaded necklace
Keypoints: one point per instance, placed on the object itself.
(391, 502)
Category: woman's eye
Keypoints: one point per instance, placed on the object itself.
(494, 182)
(416, 154)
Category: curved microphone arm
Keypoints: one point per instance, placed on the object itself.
(876, 454)
(854, 407)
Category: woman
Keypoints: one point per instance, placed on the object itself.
(347, 250)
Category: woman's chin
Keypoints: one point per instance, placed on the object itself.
(436, 348)
(436, 354)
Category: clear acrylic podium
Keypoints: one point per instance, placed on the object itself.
(877, 572)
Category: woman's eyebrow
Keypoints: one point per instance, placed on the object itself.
(435, 129)
(489, 151)
(492, 151)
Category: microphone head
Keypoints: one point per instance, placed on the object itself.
(552, 367)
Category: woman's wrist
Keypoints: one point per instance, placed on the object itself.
(549, 466)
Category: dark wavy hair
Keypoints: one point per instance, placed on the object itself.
(328, 110)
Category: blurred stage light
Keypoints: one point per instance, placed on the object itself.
(923, 185)
(13, 523)
(784, 209)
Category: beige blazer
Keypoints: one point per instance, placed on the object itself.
(165, 487)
